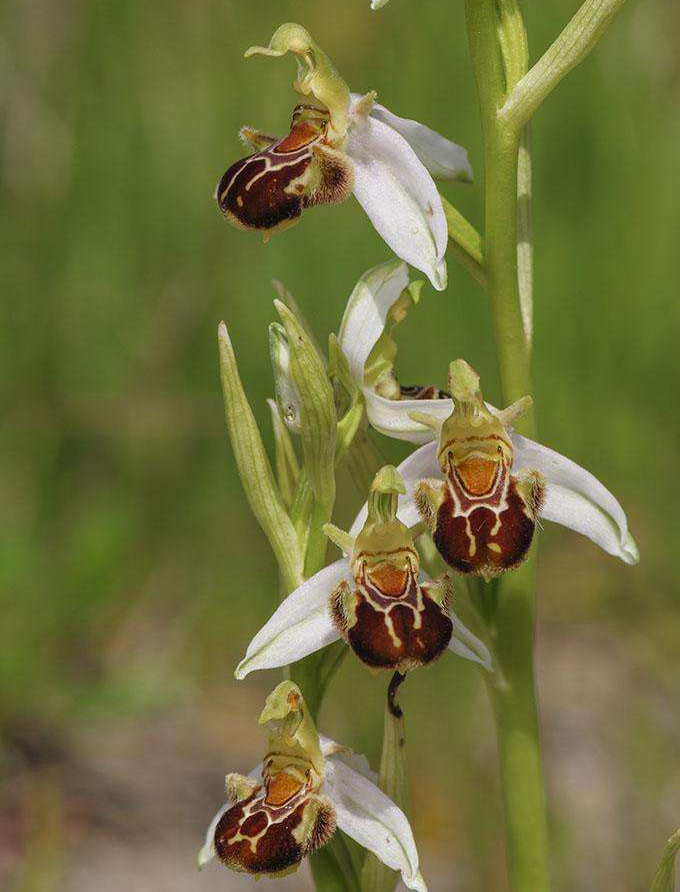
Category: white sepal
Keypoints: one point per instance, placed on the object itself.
(301, 625)
(577, 499)
(378, 4)
(208, 851)
(443, 159)
(465, 644)
(399, 196)
(357, 761)
(363, 321)
(366, 814)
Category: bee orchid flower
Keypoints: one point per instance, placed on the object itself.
(342, 143)
(375, 598)
(290, 804)
(481, 487)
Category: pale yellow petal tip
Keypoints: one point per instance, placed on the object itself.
(463, 381)
(204, 857)
(223, 334)
(425, 419)
(240, 672)
(388, 480)
(378, 4)
(363, 107)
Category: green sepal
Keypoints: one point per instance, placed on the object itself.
(287, 466)
(664, 878)
(254, 468)
(317, 407)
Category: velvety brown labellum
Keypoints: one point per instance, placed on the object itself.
(271, 831)
(486, 518)
(390, 621)
(252, 193)
(269, 189)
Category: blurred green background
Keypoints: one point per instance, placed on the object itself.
(131, 574)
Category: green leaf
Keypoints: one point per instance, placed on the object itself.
(664, 878)
(254, 468)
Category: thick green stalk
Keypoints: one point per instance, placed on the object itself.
(498, 46)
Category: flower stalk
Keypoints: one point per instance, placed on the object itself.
(498, 47)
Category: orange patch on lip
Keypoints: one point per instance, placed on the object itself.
(389, 579)
(477, 474)
(300, 136)
(281, 787)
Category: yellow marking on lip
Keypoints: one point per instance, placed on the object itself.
(477, 474)
(281, 787)
(388, 578)
(493, 546)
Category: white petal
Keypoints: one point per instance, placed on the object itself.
(301, 624)
(373, 820)
(577, 499)
(391, 417)
(399, 196)
(465, 644)
(443, 158)
(358, 761)
(421, 463)
(378, 4)
(208, 851)
(364, 318)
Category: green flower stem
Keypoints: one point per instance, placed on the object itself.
(513, 695)
(498, 46)
(572, 46)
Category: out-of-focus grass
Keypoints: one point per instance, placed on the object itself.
(131, 575)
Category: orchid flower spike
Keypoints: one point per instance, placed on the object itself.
(290, 804)
(375, 598)
(341, 142)
(488, 486)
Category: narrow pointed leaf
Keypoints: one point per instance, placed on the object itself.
(254, 468)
